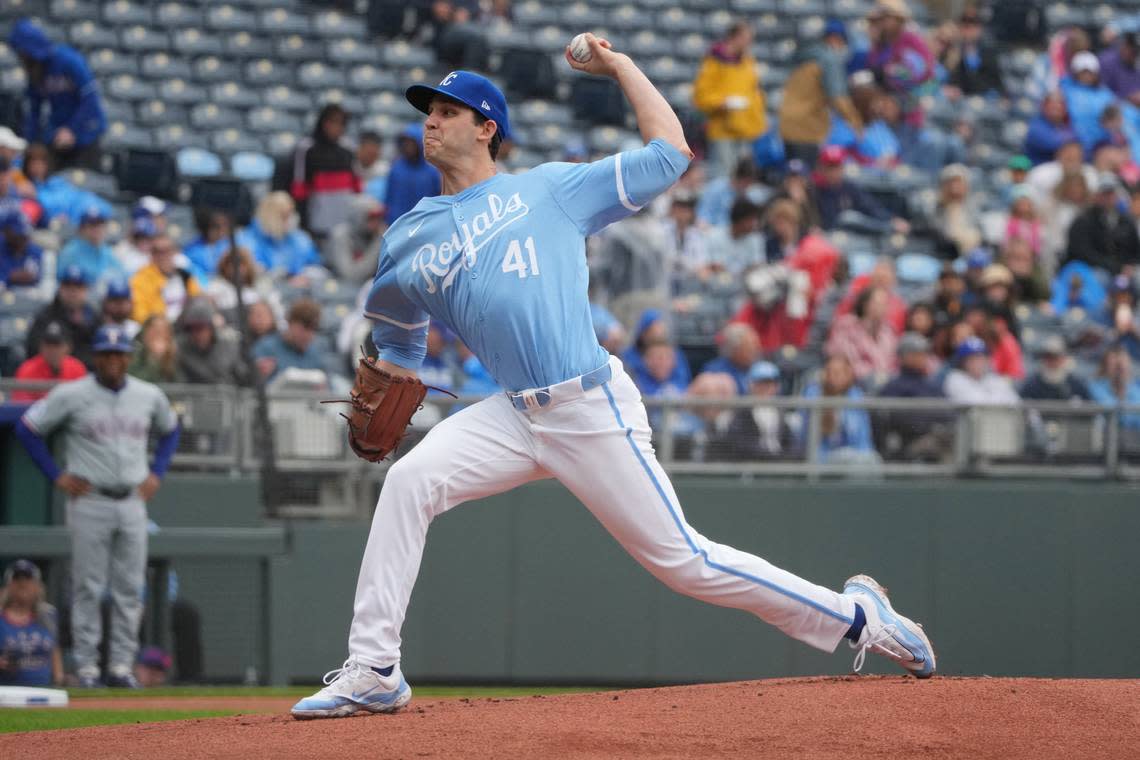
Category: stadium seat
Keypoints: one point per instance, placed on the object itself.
(281, 143)
(317, 76)
(118, 110)
(368, 79)
(230, 18)
(88, 34)
(648, 43)
(129, 87)
(126, 13)
(282, 21)
(717, 23)
(163, 67)
(581, 16)
(106, 62)
(264, 71)
(173, 137)
(609, 140)
(539, 112)
(195, 162)
(245, 45)
(72, 10)
(917, 269)
(230, 141)
(211, 68)
(337, 24)
(533, 13)
(210, 116)
(347, 51)
(668, 70)
(385, 125)
(597, 101)
(175, 16)
(403, 55)
(528, 73)
(103, 185)
(266, 120)
(627, 18)
(233, 95)
(353, 104)
(251, 166)
(194, 42)
(183, 91)
(141, 39)
(121, 134)
(287, 99)
(224, 193)
(156, 112)
(294, 47)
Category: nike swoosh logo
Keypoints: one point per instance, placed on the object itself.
(357, 697)
(416, 229)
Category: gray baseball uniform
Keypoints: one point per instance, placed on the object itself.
(105, 443)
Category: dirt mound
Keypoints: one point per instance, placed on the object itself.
(868, 717)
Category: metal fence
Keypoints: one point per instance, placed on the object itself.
(793, 437)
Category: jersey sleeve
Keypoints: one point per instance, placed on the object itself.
(399, 327)
(50, 412)
(599, 193)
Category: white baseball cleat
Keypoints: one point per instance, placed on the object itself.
(355, 688)
(887, 632)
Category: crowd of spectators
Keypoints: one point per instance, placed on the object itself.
(787, 230)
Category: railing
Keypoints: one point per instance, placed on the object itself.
(787, 436)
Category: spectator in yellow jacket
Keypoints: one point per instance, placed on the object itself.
(162, 286)
(727, 90)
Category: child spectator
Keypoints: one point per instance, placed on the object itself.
(845, 433)
(1023, 223)
(29, 632)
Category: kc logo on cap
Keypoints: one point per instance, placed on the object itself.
(472, 90)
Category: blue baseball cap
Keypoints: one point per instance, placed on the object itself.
(972, 346)
(979, 258)
(473, 90)
(835, 26)
(763, 371)
(112, 338)
(14, 220)
(21, 568)
(93, 215)
(144, 226)
(72, 275)
(118, 288)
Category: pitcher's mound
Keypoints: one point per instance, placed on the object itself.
(844, 718)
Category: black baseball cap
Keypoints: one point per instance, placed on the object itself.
(21, 568)
(54, 333)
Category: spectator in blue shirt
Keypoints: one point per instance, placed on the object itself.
(1115, 386)
(1049, 130)
(21, 260)
(1086, 99)
(739, 350)
(274, 239)
(89, 251)
(29, 640)
(411, 177)
(299, 346)
(845, 434)
(59, 75)
(213, 242)
(652, 328)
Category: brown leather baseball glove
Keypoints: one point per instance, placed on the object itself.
(382, 407)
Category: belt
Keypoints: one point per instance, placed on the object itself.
(537, 398)
(118, 494)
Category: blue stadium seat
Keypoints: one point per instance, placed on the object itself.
(159, 111)
(287, 99)
(229, 141)
(164, 67)
(129, 87)
(347, 51)
(337, 24)
(234, 95)
(266, 120)
(126, 13)
(252, 166)
(210, 116)
(230, 18)
(917, 269)
(282, 21)
(106, 62)
(315, 75)
(141, 39)
(88, 34)
(264, 71)
(245, 45)
(211, 68)
(175, 136)
(368, 78)
(72, 10)
(193, 41)
(294, 47)
(196, 162)
(183, 91)
(178, 16)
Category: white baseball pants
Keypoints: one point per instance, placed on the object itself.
(597, 444)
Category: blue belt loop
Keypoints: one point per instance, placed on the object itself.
(537, 398)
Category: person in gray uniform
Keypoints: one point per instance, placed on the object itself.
(105, 419)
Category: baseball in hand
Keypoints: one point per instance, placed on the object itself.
(580, 49)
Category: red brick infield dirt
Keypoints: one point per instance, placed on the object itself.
(867, 717)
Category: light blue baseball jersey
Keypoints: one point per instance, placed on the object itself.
(503, 263)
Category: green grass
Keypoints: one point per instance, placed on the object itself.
(54, 718)
(472, 692)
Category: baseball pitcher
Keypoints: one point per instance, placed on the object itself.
(105, 418)
(501, 259)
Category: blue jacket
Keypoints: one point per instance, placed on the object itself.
(290, 255)
(1101, 391)
(31, 261)
(71, 92)
(1044, 138)
(97, 262)
(204, 257)
(409, 181)
(721, 364)
(1091, 296)
(1086, 104)
(58, 197)
(852, 432)
(317, 356)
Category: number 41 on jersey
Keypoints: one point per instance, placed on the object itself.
(514, 262)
